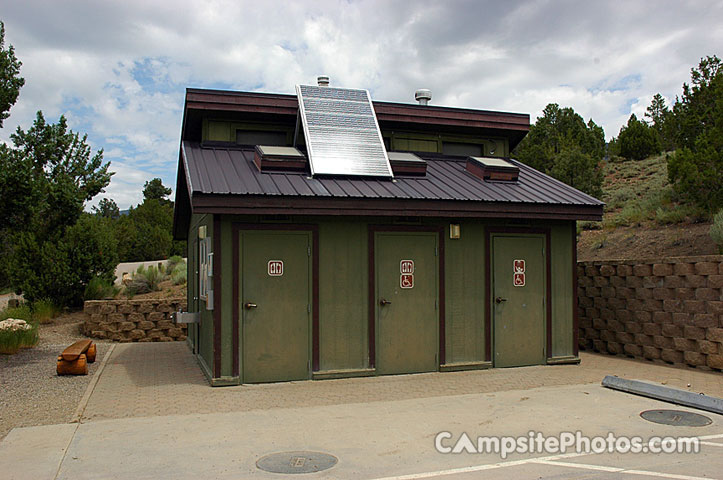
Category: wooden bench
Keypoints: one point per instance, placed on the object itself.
(75, 359)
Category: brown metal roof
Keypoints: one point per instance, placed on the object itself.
(225, 180)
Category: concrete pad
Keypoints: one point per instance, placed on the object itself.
(34, 452)
(378, 440)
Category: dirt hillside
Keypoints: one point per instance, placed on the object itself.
(642, 217)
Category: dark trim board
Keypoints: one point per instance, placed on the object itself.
(372, 230)
(314, 230)
(276, 204)
(488, 284)
(575, 313)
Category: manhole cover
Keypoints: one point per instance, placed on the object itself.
(296, 462)
(676, 417)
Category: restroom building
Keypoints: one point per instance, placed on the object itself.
(330, 236)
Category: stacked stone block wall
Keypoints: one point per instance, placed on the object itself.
(134, 320)
(668, 310)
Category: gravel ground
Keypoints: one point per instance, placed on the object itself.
(31, 393)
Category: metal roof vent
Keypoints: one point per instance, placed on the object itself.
(322, 80)
(423, 96)
(492, 168)
(405, 163)
(273, 158)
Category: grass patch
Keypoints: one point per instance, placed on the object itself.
(22, 312)
(44, 311)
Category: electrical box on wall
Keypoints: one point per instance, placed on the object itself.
(209, 300)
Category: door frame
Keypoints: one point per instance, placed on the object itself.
(237, 228)
(489, 232)
(372, 305)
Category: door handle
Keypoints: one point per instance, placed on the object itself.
(384, 302)
(249, 305)
(500, 300)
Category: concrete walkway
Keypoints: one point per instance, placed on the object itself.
(145, 380)
(152, 415)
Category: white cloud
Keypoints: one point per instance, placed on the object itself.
(118, 70)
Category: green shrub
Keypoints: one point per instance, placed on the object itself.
(145, 280)
(631, 214)
(99, 289)
(172, 262)
(137, 286)
(716, 230)
(178, 276)
(671, 215)
(44, 311)
(620, 197)
(637, 140)
(588, 225)
(60, 269)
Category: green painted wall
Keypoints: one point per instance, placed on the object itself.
(562, 289)
(343, 286)
(464, 287)
(343, 289)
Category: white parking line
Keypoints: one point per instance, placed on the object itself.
(553, 460)
(586, 466)
(477, 468)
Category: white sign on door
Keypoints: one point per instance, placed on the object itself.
(518, 273)
(276, 268)
(406, 267)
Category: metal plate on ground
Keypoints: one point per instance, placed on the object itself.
(296, 462)
(676, 417)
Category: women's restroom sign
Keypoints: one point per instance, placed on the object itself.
(518, 273)
(406, 274)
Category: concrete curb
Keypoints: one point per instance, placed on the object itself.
(91, 386)
(665, 394)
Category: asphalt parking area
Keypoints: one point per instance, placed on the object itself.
(377, 440)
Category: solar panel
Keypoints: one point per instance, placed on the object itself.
(341, 131)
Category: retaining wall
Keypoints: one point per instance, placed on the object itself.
(669, 310)
(134, 320)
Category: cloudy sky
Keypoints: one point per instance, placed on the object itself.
(118, 69)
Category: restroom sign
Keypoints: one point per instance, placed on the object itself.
(276, 268)
(406, 267)
(406, 281)
(518, 273)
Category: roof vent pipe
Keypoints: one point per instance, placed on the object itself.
(323, 80)
(423, 96)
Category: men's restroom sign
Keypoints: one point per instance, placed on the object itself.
(518, 273)
(406, 274)
(276, 268)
